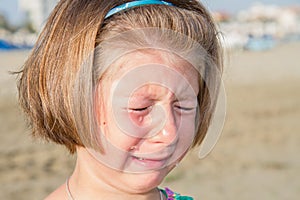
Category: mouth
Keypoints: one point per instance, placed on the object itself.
(154, 160)
(151, 162)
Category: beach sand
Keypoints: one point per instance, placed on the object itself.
(256, 156)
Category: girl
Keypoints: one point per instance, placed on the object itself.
(130, 86)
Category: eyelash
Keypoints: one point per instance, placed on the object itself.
(144, 109)
(186, 109)
(140, 110)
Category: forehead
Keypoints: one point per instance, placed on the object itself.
(150, 56)
(155, 66)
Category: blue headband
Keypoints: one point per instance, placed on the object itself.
(134, 4)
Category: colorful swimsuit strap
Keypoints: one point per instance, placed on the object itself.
(173, 195)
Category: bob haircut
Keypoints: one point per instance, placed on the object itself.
(56, 90)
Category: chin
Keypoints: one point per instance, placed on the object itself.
(144, 182)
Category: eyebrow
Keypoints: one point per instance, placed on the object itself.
(144, 97)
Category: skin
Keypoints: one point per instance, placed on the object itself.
(149, 103)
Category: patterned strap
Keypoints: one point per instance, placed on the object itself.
(173, 195)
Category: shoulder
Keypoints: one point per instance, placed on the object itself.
(174, 195)
(58, 194)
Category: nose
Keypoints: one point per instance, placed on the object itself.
(168, 131)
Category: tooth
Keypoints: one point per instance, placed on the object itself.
(140, 158)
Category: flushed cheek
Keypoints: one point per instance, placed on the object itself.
(130, 125)
(137, 125)
(140, 120)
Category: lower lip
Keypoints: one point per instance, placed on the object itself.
(150, 164)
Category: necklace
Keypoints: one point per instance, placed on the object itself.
(70, 197)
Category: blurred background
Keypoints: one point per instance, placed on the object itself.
(257, 156)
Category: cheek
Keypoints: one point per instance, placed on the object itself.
(187, 130)
(130, 125)
(114, 132)
(118, 138)
(139, 125)
(140, 120)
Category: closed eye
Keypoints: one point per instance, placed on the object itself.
(140, 110)
(185, 108)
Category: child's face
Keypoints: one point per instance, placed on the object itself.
(147, 113)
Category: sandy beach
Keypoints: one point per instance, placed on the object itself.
(255, 158)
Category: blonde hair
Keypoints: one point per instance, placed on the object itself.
(57, 83)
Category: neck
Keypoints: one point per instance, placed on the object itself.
(90, 181)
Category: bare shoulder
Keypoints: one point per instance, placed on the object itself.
(58, 194)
